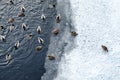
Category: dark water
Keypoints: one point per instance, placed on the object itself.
(26, 63)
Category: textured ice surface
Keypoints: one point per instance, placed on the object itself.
(97, 22)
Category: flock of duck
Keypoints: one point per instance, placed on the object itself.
(40, 40)
(24, 27)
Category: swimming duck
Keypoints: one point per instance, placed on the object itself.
(11, 27)
(22, 8)
(42, 0)
(17, 44)
(58, 18)
(40, 40)
(56, 31)
(30, 36)
(10, 20)
(50, 6)
(43, 17)
(24, 26)
(39, 29)
(21, 14)
(1, 27)
(8, 57)
(38, 48)
(3, 38)
(11, 1)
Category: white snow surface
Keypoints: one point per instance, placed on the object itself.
(97, 23)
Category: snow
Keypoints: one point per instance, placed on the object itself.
(97, 23)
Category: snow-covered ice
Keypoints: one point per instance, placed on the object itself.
(97, 23)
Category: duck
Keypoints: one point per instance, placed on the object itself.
(11, 27)
(51, 57)
(73, 33)
(1, 26)
(50, 6)
(24, 26)
(38, 48)
(22, 8)
(58, 18)
(10, 20)
(104, 48)
(56, 31)
(8, 57)
(17, 44)
(11, 1)
(21, 14)
(54, 5)
(43, 17)
(3, 38)
(30, 36)
(40, 40)
(42, 0)
(39, 29)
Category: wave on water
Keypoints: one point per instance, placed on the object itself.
(97, 23)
